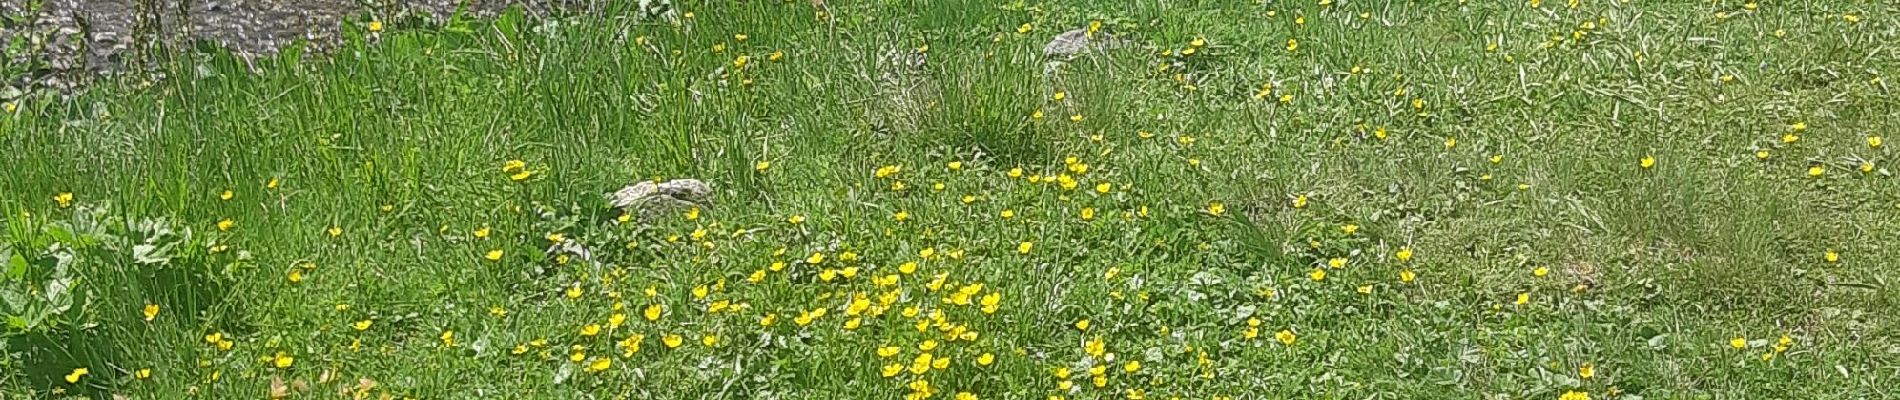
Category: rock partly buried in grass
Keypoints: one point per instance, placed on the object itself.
(1067, 43)
(647, 198)
(1079, 41)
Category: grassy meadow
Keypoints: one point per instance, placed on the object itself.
(1324, 199)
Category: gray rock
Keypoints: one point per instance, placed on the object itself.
(1078, 41)
(1067, 43)
(903, 89)
(647, 198)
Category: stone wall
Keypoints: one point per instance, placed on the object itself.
(62, 43)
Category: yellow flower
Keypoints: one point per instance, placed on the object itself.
(891, 370)
(1299, 201)
(1365, 289)
(986, 359)
(225, 225)
(815, 258)
(1338, 262)
(272, 184)
(1790, 138)
(1873, 142)
(1575, 395)
(362, 325)
(1587, 371)
(590, 330)
(1285, 337)
(1761, 154)
(1024, 247)
(493, 255)
(1523, 298)
(282, 361)
(226, 195)
(1292, 44)
(375, 26)
(1450, 142)
(1648, 162)
(76, 374)
(482, 233)
(1407, 276)
(888, 171)
(1082, 325)
(1404, 254)
(1216, 208)
(151, 312)
(1540, 271)
(673, 341)
(1318, 274)
(710, 340)
(1816, 171)
(1831, 256)
(921, 364)
(448, 338)
(600, 364)
(1103, 187)
(1025, 28)
(142, 374)
(653, 312)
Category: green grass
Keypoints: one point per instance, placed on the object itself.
(399, 139)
